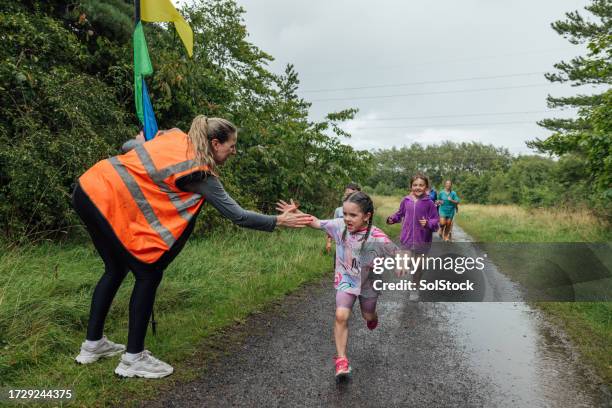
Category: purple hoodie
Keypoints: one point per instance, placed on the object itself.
(411, 212)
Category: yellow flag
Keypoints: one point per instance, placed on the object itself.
(164, 11)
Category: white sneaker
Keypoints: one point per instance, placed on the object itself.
(413, 296)
(105, 348)
(145, 365)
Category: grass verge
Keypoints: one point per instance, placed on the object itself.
(45, 293)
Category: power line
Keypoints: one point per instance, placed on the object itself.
(443, 81)
(445, 125)
(428, 93)
(450, 61)
(455, 116)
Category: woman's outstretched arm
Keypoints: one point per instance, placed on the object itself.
(211, 188)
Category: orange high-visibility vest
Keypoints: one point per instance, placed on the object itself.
(137, 194)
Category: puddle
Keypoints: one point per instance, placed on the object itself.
(516, 352)
(519, 356)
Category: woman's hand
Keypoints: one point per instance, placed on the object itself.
(294, 219)
(140, 137)
(423, 222)
(389, 221)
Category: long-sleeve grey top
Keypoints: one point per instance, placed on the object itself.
(211, 188)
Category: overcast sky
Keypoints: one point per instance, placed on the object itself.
(355, 44)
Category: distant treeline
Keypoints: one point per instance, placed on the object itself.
(486, 174)
(66, 101)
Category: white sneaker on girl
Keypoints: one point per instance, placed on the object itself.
(92, 351)
(144, 365)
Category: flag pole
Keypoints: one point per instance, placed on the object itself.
(136, 21)
(136, 11)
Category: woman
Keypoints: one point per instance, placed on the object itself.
(139, 209)
(448, 200)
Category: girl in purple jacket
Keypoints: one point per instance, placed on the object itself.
(420, 220)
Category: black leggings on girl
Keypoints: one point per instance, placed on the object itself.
(117, 262)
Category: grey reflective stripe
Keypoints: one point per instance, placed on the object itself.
(158, 178)
(176, 168)
(190, 202)
(142, 202)
(146, 160)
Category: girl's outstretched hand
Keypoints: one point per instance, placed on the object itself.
(283, 206)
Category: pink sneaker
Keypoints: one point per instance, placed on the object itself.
(342, 366)
(372, 324)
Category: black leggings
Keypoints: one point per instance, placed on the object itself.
(117, 262)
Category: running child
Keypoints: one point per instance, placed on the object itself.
(338, 213)
(449, 201)
(420, 220)
(358, 242)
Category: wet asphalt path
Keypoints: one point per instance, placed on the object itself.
(422, 354)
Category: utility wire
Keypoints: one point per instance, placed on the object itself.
(449, 61)
(445, 125)
(454, 116)
(429, 93)
(443, 81)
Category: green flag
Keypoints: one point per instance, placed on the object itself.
(142, 67)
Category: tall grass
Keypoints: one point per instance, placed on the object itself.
(45, 293)
(511, 223)
(385, 206)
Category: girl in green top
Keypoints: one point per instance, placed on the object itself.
(448, 200)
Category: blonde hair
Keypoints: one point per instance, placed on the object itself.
(203, 130)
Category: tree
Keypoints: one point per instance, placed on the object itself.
(588, 136)
(56, 118)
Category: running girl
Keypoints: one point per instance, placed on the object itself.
(338, 213)
(420, 220)
(448, 206)
(358, 242)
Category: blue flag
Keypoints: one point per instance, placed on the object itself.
(149, 123)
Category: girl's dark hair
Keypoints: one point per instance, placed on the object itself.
(353, 186)
(420, 176)
(366, 206)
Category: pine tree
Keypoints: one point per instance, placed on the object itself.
(589, 135)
